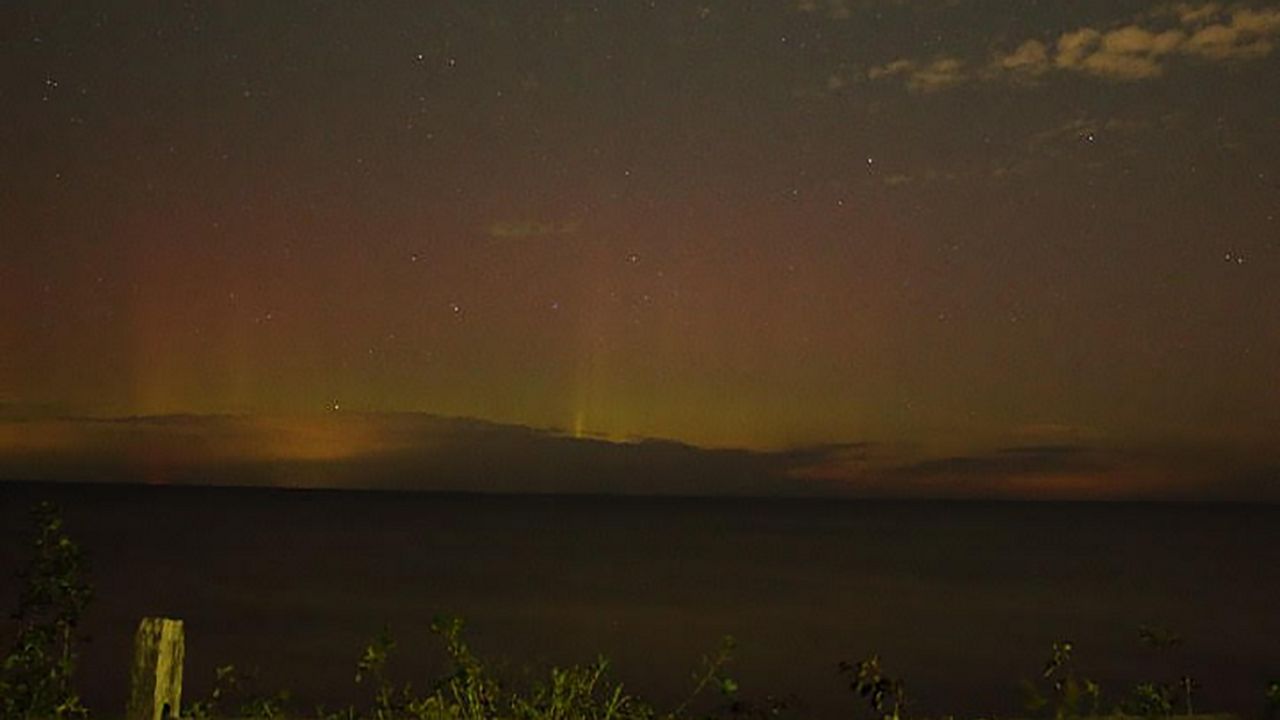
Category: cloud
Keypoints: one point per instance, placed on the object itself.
(1073, 47)
(833, 9)
(928, 77)
(891, 69)
(1122, 66)
(1031, 57)
(1134, 40)
(1247, 36)
(1065, 471)
(530, 228)
(1260, 22)
(1080, 129)
(1133, 52)
(26, 410)
(386, 451)
(1044, 471)
(845, 9)
(938, 74)
(430, 453)
(1188, 14)
(1129, 52)
(1003, 463)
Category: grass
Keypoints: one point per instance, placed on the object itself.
(470, 691)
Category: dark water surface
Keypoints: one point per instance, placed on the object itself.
(962, 600)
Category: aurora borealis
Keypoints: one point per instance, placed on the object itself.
(930, 247)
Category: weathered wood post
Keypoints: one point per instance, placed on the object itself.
(155, 683)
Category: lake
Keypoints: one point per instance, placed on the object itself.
(960, 599)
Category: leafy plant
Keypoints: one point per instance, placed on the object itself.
(266, 707)
(372, 666)
(231, 685)
(1188, 685)
(770, 708)
(1067, 692)
(886, 696)
(580, 693)
(224, 683)
(36, 679)
(469, 693)
(1149, 700)
(710, 673)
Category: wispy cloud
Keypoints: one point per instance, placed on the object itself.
(834, 9)
(530, 228)
(1190, 14)
(1060, 470)
(1129, 52)
(845, 9)
(930, 76)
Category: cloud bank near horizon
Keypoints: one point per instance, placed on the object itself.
(432, 453)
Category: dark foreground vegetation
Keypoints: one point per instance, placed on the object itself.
(37, 675)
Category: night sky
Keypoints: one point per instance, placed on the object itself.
(888, 247)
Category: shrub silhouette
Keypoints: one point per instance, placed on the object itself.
(36, 679)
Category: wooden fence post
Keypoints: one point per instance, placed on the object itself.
(155, 682)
